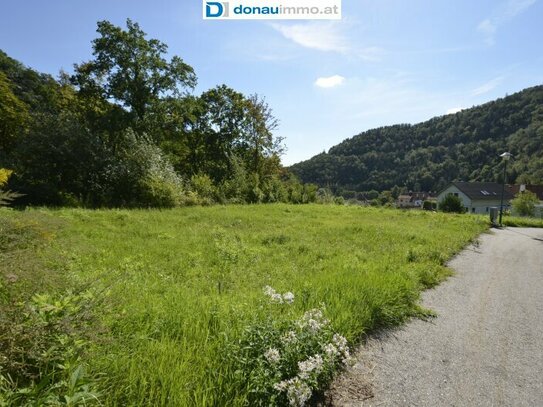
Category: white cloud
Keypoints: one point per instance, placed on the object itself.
(329, 82)
(319, 36)
(454, 110)
(505, 12)
(487, 87)
(327, 37)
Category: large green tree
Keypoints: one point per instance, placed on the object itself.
(132, 71)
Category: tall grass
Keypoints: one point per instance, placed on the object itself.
(183, 284)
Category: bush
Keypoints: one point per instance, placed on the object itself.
(524, 203)
(142, 176)
(429, 205)
(204, 188)
(6, 197)
(451, 203)
(42, 343)
(284, 360)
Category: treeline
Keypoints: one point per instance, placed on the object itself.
(125, 130)
(427, 156)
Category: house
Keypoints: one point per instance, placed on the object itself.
(413, 199)
(404, 201)
(478, 197)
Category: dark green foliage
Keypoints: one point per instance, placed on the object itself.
(123, 131)
(427, 156)
(429, 205)
(131, 70)
(524, 203)
(451, 203)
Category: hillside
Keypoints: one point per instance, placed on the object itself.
(428, 155)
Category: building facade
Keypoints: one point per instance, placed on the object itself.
(478, 197)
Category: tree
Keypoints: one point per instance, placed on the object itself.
(13, 116)
(451, 203)
(131, 70)
(258, 139)
(524, 203)
(217, 132)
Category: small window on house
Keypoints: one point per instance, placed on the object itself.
(472, 210)
(487, 208)
(455, 194)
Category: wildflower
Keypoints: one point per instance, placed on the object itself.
(331, 351)
(340, 342)
(288, 297)
(281, 386)
(313, 365)
(289, 337)
(314, 320)
(269, 291)
(298, 392)
(277, 298)
(272, 355)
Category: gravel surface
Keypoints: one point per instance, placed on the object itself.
(485, 348)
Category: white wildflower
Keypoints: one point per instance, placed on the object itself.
(331, 351)
(289, 337)
(272, 355)
(341, 343)
(277, 298)
(269, 291)
(298, 392)
(313, 320)
(288, 297)
(281, 386)
(313, 365)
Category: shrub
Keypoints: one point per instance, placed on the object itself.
(451, 203)
(524, 203)
(283, 361)
(203, 185)
(429, 205)
(142, 176)
(42, 342)
(6, 197)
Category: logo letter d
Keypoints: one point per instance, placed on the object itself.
(219, 9)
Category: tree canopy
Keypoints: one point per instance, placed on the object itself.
(126, 130)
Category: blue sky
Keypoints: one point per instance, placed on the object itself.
(385, 62)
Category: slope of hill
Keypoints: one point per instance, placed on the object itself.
(464, 146)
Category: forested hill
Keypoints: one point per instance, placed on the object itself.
(426, 156)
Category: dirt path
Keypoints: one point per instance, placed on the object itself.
(485, 348)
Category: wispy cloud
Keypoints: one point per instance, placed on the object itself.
(504, 13)
(327, 37)
(329, 82)
(487, 87)
(319, 36)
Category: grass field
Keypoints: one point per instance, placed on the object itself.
(179, 293)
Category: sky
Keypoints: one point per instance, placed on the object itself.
(385, 62)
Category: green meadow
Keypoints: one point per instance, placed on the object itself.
(169, 295)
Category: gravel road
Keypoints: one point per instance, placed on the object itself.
(485, 348)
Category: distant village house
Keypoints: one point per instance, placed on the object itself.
(413, 200)
(478, 197)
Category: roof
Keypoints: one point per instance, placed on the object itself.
(536, 189)
(484, 190)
